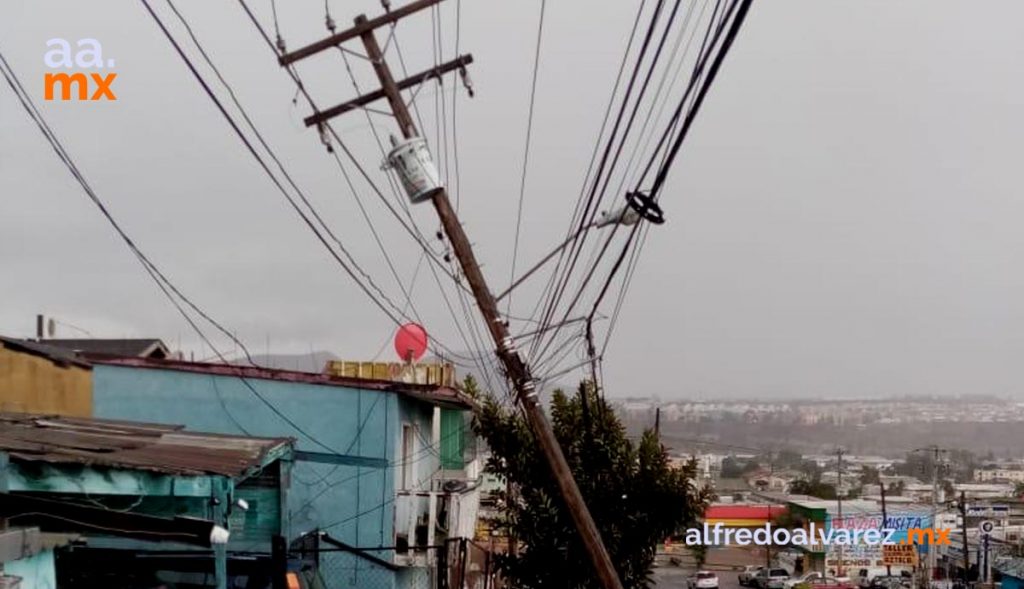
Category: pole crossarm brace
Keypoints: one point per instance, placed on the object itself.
(356, 31)
(435, 72)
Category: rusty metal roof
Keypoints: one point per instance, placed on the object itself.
(132, 445)
(434, 394)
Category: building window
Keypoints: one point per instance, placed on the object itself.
(453, 439)
(408, 443)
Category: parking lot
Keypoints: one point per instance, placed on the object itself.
(726, 562)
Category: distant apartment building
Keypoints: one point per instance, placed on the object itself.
(1001, 475)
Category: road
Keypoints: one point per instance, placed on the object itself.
(725, 561)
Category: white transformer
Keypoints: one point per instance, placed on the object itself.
(412, 162)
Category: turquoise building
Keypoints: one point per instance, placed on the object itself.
(145, 503)
(379, 466)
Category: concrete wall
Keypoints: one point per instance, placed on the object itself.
(34, 384)
(349, 486)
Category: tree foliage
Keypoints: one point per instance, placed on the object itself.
(636, 497)
(813, 488)
(733, 467)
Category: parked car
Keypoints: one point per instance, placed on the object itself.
(746, 576)
(702, 580)
(771, 578)
(889, 582)
(804, 579)
(831, 583)
(864, 576)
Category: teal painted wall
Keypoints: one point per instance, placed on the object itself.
(36, 572)
(355, 503)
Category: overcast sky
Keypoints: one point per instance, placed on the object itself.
(844, 219)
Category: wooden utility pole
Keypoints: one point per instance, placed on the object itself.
(839, 504)
(515, 367)
(962, 504)
(885, 517)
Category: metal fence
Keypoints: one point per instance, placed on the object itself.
(468, 565)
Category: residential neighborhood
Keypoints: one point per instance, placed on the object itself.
(466, 294)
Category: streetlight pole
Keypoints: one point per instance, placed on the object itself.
(623, 216)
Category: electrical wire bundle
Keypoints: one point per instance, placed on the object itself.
(631, 157)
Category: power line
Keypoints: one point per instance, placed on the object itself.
(526, 147)
(418, 456)
(736, 23)
(589, 210)
(373, 128)
(572, 232)
(165, 286)
(280, 166)
(351, 267)
(595, 259)
(410, 229)
(691, 113)
(252, 150)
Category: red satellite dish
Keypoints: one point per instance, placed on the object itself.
(411, 342)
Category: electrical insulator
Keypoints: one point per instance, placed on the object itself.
(466, 81)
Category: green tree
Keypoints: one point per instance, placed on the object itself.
(700, 554)
(732, 467)
(813, 488)
(636, 497)
(810, 469)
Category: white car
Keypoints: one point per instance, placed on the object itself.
(702, 580)
(771, 578)
(746, 576)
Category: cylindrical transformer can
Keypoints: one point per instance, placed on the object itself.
(412, 162)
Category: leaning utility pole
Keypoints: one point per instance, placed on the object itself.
(516, 368)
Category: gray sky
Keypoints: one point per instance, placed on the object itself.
(844, 218)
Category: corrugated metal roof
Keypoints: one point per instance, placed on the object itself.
(123, 444)
(54, 354)
(434, 394)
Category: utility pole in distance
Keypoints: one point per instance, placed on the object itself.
(962, 504)
(839, 504)
(515, 367)
(885, 518)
